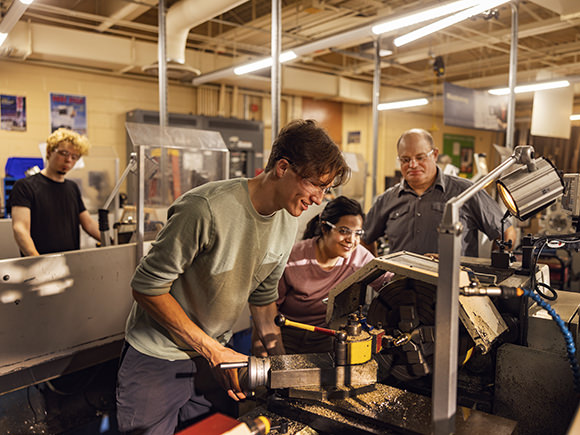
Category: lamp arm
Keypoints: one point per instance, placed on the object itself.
(451, 211)
(104, 212)
(131, 166)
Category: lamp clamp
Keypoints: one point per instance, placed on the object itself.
(504, 244)
(524, 154)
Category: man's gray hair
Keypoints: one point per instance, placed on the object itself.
(416, 132)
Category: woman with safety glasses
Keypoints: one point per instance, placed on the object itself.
(329, 252)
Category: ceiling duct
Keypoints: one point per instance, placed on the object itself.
(180, 19)
(175, 71)
(567, 9)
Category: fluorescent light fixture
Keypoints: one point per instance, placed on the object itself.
(403, 104)
(384, 52)
(342, 38)
(419, 17)
(263, 63)
(575, 117)
(287, 55)
(531, 88)
(26, 2)
(3, 37)
(482, 6)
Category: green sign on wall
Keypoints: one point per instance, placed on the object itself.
(460, 148)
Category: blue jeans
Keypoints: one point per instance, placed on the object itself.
(155, 396)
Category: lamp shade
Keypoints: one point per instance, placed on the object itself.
(530, 188)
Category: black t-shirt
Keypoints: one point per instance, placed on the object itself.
(54, 212)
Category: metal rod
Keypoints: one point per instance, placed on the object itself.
(233, 365)
(163, 117)
(447, 307)
(130, 167)
(446, 333)
(511, 115)
(140, 201)
(117, 202)
(375, 112)
(275, 72)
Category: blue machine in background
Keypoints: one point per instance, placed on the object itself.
(15, 169)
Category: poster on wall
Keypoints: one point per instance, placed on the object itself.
(460, 149)
(68, 111)
(13, 112)
(353, 137)
(466, 107)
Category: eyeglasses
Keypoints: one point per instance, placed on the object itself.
(324, 188)
(420, 158)
(66, 154)
(345, 231)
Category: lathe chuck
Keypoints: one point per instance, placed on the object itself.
(405, 308)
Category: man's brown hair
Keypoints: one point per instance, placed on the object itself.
(310, 151)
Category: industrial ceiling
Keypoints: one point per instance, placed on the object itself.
(119, 37)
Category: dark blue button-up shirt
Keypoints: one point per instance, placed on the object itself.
(409, 222)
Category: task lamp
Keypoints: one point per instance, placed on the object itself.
(543, 186)
(530, 188)
(525, 191)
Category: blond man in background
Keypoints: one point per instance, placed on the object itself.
(48, 209)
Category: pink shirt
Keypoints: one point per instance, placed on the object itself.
(305, 284)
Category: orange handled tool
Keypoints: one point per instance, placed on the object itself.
(281, 320)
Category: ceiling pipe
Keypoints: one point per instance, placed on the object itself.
(126, 11)
(511, 115)
(13, 15)
(186, 14)
(275, 72)
(180, 19)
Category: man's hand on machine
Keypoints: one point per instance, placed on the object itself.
(228, 378)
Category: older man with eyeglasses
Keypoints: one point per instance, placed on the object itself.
(47, 209)
(408, 214)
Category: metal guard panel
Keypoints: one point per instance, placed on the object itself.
(53, 305)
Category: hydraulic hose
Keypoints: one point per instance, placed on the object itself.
(570, 347)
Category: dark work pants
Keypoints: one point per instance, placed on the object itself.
(154, 396)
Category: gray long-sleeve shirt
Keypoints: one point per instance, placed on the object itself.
(214, 255)
(410, 222)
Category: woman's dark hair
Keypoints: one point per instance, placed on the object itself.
(334, 210)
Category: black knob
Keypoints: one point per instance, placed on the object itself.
(280, 320)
